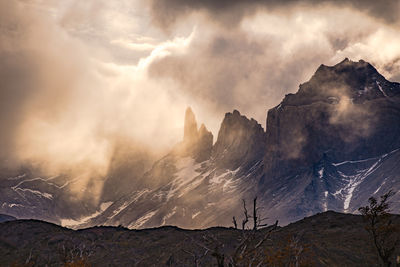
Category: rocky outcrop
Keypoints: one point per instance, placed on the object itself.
(333, 144)
(196, 143)
(204, 144)
(6, 218)
(190, 132)
(348, 111)
(241, 142)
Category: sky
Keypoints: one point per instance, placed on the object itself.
(76, 77)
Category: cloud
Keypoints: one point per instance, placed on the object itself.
(47, 119)
(356, 120)
(167, 12)
(378, 47)
(79, 76)
(65, 102)
(251, 67)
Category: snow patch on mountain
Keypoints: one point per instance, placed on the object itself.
(127, 203)
(321, 173)
(142, 220)
(379, 188)
(195, 214)
(226, 180)
(355, 180)
(381, 89)
(11, 205)
(35, 192)
(17, 177)
(169, 215)
(187, 178)
(75, 223)
(325, 204)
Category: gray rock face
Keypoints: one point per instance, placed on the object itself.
(334, 143)
(241, 142)
(348, 111)
(196, 185)
(190, 134)
(27, 193)
(32, 196)
(196, 143)
(6, 218)
(204, 144)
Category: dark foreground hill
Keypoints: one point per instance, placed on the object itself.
(325, 239)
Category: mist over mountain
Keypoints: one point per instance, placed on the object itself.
(330, 146)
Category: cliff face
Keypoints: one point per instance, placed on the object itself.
(348, 112)
(190, 133)
(241, 142)
(198, 184)
(196, 143)
(332, 144)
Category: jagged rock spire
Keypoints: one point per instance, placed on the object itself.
(196, 142)
(240, 140)
(204, 144)
(190, 133)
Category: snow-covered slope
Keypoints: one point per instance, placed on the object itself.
(193, 193)
(30, 196)
(198, 195)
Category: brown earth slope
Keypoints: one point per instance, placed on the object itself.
(328, 239)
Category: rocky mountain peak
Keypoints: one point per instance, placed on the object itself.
(190, 127)
(196, 143)
(204, 144)
(354, 75)
(358, 81)
(347, 109)
(202, 129)
(239, 140)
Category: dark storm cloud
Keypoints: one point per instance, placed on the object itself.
(166, 12)
(233, 71)
(253, 66)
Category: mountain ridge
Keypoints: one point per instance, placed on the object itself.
(331, 145)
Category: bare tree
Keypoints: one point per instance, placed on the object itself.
(75, 253)
(248, 248)
(249, 251)
(246, 215)
(291, 252)
(381, 227)
(255, 222)
(234, 222)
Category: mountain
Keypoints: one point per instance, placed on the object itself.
(198, 184)
(347, 112)
(28, 193)
(329, 146)
(6, 218)
(327, 239)
(334, 143)
(25, 193)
